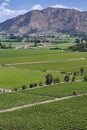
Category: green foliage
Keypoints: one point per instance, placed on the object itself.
(74, 93)
(75, 73)
(56, 80)
(77, 41)
(79, 47)
(85, 77)
(81, 70)
(24, 87)
(31, 85)
(66, 78)
(49, 79)
(73, 79)
(40, 83)
(35, 85)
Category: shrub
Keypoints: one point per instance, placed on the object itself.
(15, 89)
(66, 78)
(81, 70)
(85, 77)
(73, 78)
(75, 73)
(74, 93)
(35, 85)
(56, 80)
(31, 85)
(23, 87)
(40, 83)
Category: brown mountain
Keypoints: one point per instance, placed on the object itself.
(50, 20)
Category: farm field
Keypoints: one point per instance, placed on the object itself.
(18, 67)
(8, 100)
(25, 67)
(55, 65)
(63, 45)
(60, 90)
(28, 96)
(21, 56)
(11, 78)
(67, 114)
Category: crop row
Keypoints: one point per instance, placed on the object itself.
(8, 100)
(68, 114)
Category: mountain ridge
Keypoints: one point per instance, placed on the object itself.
(49, 20)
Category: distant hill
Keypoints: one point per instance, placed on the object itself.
(49, 20)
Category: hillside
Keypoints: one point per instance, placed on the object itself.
(49, 20)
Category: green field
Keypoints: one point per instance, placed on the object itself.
(15, 75)
(8, 100)
(21, 56)
(68, 114)
(55, 65)
(28, 96)
(23, 67)
(60, 90)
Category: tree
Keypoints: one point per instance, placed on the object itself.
(77, 41)
(75, 73)
(66, 78)
(73, 78)
(35, 84)
(36, 42)
(56, 80)
(81, 70)
(31, 85)
(23, 87)
(49, 79)
(85, 77)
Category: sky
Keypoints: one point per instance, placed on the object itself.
(13, 8)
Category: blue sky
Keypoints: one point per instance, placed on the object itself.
(12, 8)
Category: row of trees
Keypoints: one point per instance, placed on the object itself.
(50, 80)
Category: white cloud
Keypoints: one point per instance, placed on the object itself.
(37, 7)
(6, 13)
(63, 6)
(59, 6)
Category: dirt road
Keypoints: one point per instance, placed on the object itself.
(39, 103)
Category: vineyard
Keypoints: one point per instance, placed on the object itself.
(20, 69)
(68, 114)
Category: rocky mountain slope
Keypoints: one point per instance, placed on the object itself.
(49, 20)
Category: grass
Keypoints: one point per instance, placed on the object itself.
(63, 115)
(26, 73)
(16, 43)
(56, 65)
(64, 45)
(20, 56)
(12, 77)
(15, 77)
